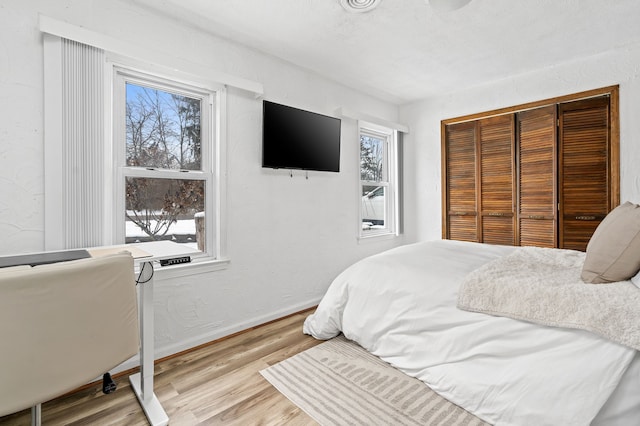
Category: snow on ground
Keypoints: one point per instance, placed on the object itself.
(181, 227)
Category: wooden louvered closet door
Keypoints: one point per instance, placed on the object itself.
(497, 180)
(584, 181)
(459, 167)
(537, 206)
(542, 174)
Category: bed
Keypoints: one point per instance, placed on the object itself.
(406, 306)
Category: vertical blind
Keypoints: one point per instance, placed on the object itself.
(82, 144)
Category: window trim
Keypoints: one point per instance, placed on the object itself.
(56, 28)
(391, 169)
(211, 161)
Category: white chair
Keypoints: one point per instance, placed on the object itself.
(62, 326)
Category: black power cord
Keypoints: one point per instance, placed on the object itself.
(140, 274)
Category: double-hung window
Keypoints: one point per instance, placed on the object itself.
(164, 155)
(378, 180)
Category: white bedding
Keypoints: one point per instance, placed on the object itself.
(401, 306)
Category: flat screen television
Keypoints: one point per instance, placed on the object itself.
(296, 139)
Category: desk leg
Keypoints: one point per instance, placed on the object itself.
(142, 383)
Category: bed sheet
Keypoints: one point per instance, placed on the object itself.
(401, 306)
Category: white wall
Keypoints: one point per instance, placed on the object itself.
(287, 237)
(423, 157)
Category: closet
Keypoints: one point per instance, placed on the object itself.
(543, 174)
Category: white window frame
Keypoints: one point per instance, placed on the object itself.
(211, 143)
(389, 181)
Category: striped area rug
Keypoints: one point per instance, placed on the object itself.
(339, 383)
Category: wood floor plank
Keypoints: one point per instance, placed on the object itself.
(229, 390)
(215, 384)
(267, 407)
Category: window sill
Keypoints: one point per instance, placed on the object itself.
(194, 268)
(363, 239)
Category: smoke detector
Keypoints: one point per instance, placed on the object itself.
(359, 6)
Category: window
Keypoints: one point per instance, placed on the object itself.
(163, 144)
(378, 180)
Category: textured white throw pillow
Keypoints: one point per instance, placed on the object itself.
(613, 253)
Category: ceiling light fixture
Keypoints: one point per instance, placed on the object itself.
(359, 6)
(448, 5)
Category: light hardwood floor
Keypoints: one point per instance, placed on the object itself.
(216, 384)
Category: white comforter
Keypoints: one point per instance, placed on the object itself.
(401, 306)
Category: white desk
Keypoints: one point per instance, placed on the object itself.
(142, 382)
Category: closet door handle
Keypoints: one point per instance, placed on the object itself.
(496, 214)
(536, 217)
(585, 218)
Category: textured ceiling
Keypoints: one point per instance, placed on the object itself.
(404, 50)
